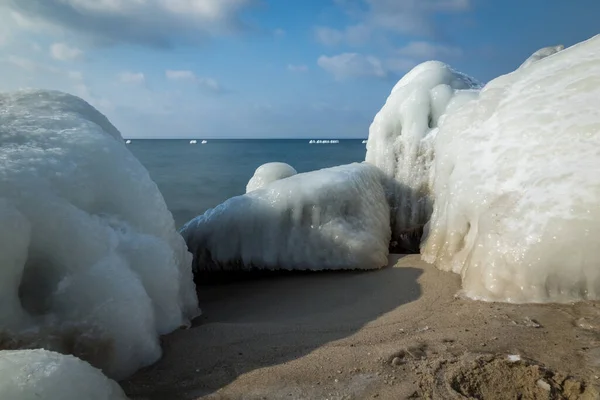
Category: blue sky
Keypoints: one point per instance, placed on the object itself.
(265, 68)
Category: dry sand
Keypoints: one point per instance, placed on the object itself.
(392, 334)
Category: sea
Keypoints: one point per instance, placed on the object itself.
(196, 177)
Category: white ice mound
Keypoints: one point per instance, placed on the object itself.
(88, 249)
(335, 218)
(517, 184)
(542, 53)
(45, 375)
(269, 172)
(401, 134)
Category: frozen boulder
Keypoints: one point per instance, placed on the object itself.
(45, 375)
(88, 249)
(268, 173)
(541, 54)
(335, 218)
(517, 187)
(402, 133)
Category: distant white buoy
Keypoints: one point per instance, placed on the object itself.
(193, 141)
(127, 141)
(204, 142)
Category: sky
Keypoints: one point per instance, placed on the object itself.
(265, 68)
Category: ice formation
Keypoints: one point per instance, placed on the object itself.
(541, 54)
(335, 218)
(268, 173)
(41, 374)
(401, 137)
(90, 261)
(517, 188)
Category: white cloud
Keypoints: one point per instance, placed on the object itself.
(352, 65)
(30, 65)
(354, 35)
(176, 75)
(135, 78)
(75, 75)
(328, 36)
(400, 65)
(355, 65)
(406, 17)
(426, 50)
(64, 52)
(207, 84)
(297, 68)
(147, 22)
(210, 84)
(410, 16)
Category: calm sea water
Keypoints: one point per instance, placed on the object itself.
(195, 178)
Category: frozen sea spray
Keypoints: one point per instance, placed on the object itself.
(401, 137)
(334, 218)
(88, 249)
(517, 188)
(269, 172)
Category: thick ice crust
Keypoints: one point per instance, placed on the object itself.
(401, 136)
(88, 249)
(335, 218)
(45, 375)
(517, 184)
(541, 54)
(268, 173)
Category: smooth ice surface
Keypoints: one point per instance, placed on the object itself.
(88, 250)
(334, 218)
(45, 375)
(541, 54)
(400, 137)
(268, 173)
(517, 184)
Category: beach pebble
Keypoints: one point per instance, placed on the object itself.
(397, 361)
(542, 384)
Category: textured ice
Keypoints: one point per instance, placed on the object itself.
(335, 218)
(517, 184)
(88, 250)
(268, 173)
(400, 137)
(45, 375)
(541, 54)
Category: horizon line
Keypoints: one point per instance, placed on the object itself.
(236, 138)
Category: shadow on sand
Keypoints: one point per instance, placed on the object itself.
(254, 322)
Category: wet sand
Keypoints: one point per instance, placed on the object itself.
(397, 333)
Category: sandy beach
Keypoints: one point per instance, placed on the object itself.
(401, 332)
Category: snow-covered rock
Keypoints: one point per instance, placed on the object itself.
(45, 375)
(268, 173)
(517, 184)
(86, 241)
(335, 218)
(402, 133)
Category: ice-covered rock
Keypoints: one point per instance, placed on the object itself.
(541, 54)
(269, 172)
(517, 184)
(401, 137)
(88, 249)
(335, 218)
(45, 375)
